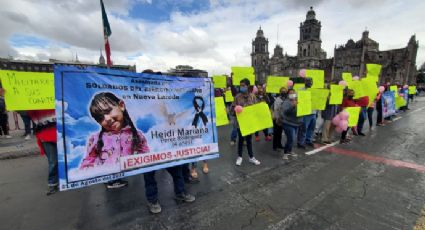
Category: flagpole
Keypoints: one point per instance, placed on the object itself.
(106, 33)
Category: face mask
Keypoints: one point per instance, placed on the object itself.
(243, 89)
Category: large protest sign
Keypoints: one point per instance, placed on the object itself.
(254, 118)
(274, 83)
(347, 77)
(228, 96)
(412, 90)
(319, 98)
(388, 103)
(220, 111)
(113, 124)
(337, 93)
(353, 116)
(318, 77)
(304, 103)
(240, 73)
(298, 86)
(370, 88)
(28, 90)
(219, 81)
(357, 86)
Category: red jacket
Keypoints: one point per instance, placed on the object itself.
(363, 101)
(346, 102)
(45, 126)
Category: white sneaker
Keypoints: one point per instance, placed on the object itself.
(239, 161)
(232, 143)
(285, 157)
(294, 154)
(8, 136)
(28, 137)
(254, 161)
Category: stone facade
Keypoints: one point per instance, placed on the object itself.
(398, 65)
(187, 70)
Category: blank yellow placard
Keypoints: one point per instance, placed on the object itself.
(358, 89)
(373, 69)
(28, 90)
(228, 96)
(394, 88)
(337, 93)
(347, 77)
(240, 73)
(254, 118)
(412, 90)
(304, 103)
(318, 77)
(353, 116)
(219, 81)
(318, 98)
(274, 83)
(399, 102)
(220, 112)
(370, 88)
(298, 86)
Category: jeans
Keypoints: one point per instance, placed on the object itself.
(234, 133)
(277, 136)
(151, 189)
(290, 136)
(248, 139)
(370, 116)
(51, 151)
(362, 118)
(306, 131)
(27, 123)
(4, 126)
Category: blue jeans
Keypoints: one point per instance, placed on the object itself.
(234, 134)
(51, 151)
(362, 118)
(151, 189)
(290, 132)
(306, 131)
(27, 123)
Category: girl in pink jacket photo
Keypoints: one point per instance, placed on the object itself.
(118, 135)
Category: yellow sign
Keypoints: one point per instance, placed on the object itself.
(28, 90)
(347, 77)
(298, 86)
(370, 88)
(400, 102)
(219, 81)
(274, 83)
(373, 70)
(357, 86)
(318, 77)
(395, 89)
(304, 103)
(337, 93)
(240, 73)
(353, 116)
(220, 112)
(412, 90)
(254, 118)
(228, 96)
(319, 98)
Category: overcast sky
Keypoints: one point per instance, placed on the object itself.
(207, 34)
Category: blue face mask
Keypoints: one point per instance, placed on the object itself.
(243, 89)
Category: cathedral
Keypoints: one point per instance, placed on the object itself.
(398, 65)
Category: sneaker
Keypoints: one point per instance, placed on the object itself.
(194, 173)
(257, 138)
(326, 142)
(8, 136)
(285, 157)
(27, 137)
(205, 168)
(268, 138)
(362, 134)
(185, 197)
(52, 190)
(301, 146)
(310, 145)
(116, 184)
(293, 154)
(239, 161)
(232, 143)
(154, 207)
(254, 161)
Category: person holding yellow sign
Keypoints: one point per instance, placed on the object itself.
(290, 122)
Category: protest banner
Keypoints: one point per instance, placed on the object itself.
(219, 81)
(388, 103)
(353, 116)
(412, 90)
(304, 103)
(113, 124)
(220, 112)
(254, 118)
(298, 86)
(274, 83)
(228, 96)
(337, 93)
(318, 77)
(347, 77)
(28, 90)
(319, 98)
(240, 73)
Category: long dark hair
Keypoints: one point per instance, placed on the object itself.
(101, 104)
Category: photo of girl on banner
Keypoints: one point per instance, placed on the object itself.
(118, 135)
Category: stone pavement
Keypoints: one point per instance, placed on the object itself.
(17, 146)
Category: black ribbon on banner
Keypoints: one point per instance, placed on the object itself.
(199, 112)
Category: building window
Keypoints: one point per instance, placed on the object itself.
(304, 52)
(43, 68)
(13, 66)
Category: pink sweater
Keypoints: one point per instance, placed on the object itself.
(115, 145)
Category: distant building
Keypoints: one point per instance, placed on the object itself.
(181, 70)
(398, 65)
